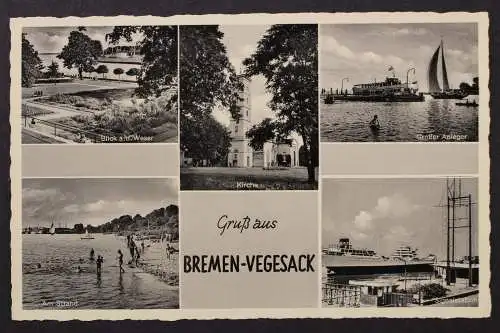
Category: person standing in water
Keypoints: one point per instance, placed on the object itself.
(92, 254)
(374, 123)
(120, 261)
(99, 263)
(138, 256)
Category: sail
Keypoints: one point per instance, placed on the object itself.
(446, 86)
(52, 229)
(432, 73)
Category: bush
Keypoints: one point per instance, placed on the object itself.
(432, 290)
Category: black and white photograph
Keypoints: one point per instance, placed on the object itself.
(249, 107)
(400, 242)
(114, 84)
(399, 82)
(100, 243)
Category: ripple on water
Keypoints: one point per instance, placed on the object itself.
(58, 278)
(348, 121)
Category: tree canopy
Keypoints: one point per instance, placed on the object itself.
(81, 52)
(287, 57)
(53, 70)
(118, 71)
(159, 50)
(207, 80)
(133, 72)
(102, 69)
(31, 64)
(206, 140)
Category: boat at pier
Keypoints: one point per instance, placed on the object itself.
(344, 259)
(390, 90)
(432, 74)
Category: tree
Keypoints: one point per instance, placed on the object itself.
(102, 69)
(53, 70)
(118, 71)
(287, 57)
(80, 52)
(79, 229)
(159, 50)
(31, 64)
(262, 132)
(465, 86)
(207, 80)
(133, 72)
(206, 140)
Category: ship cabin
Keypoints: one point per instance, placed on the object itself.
(344, 247)
(391, 86)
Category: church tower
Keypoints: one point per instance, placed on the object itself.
(240, 152)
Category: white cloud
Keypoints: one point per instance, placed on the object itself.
(394, 206)
(414, 32)
(39, 194)
(331, 45)
(363, 220)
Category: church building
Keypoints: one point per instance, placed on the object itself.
(241, 154)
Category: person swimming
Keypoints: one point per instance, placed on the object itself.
(374, 123)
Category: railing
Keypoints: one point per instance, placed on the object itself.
(396, 299)
(342, 295)
(94, 137)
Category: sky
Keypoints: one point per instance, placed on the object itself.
(92, 201)
(364, 52)
(53, 39)
(241, 42)
(383, 214)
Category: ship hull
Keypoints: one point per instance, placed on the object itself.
(347, 265)
(448, 96)
(376, 98)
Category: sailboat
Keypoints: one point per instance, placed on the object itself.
(87, 235)
(52, 230)
(432, 74)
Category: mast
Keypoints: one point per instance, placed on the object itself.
(470, 240)
(446, 86)
(448, 272)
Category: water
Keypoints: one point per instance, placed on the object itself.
(59, 280)
(400, 121)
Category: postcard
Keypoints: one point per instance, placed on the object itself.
(250, 166)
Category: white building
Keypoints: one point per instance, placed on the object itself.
(241, 154)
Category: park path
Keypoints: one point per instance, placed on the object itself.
(58, 112)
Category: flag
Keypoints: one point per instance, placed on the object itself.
(390, 68)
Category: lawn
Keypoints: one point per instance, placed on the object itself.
(74, 87)
(245, 179)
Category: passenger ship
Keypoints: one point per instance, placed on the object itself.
(344, 259)
(390, 90)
